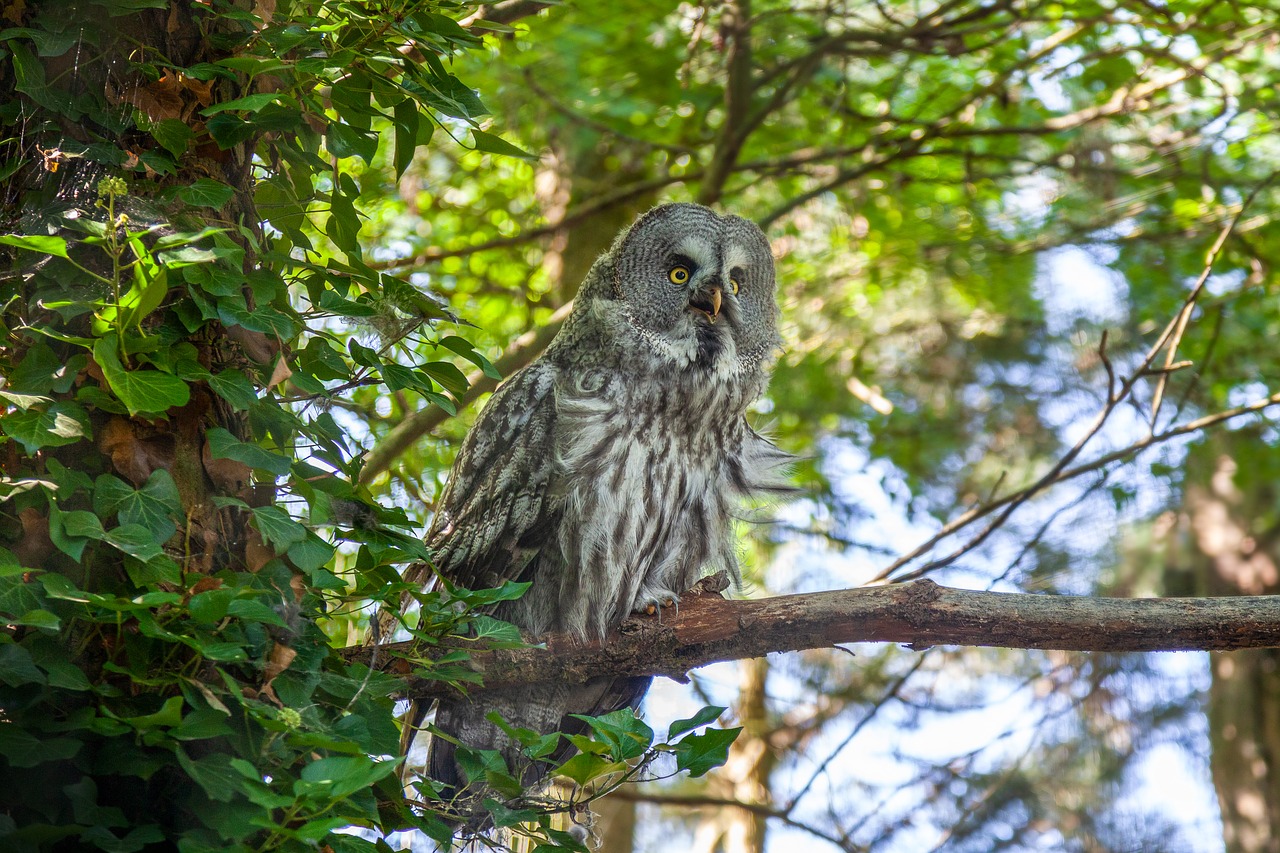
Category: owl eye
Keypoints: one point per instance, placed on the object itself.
(678, 274)
(735, 280)
(734, 286)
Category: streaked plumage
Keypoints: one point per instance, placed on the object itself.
(609, 470)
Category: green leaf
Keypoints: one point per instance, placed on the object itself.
(699, 753)
(224, 445)
(72, 531)
(169, 715)
(342, 775)
(311, 553)
(249, 103)
(22, 749)
(447, 375)
(708, 714)
(464, 348)
(173, 135)
(278, 528)
(62, 423)
(206, 192)
(494, 144)
(154, 507)
(214, 774)
(343, 140)
(141, 391)
(134, 540)
(24, 401)
(584, 767)
(38, 243)
(234, 387)
(497, 633)
(406, 134)
(17, 669)
(626, 734)
(29, 78)
(20, 599)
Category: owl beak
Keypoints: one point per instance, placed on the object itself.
(708, 302)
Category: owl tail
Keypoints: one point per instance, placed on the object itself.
(544, 708)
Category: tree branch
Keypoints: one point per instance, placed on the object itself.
(710, 629)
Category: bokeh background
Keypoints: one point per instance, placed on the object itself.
(963, 196)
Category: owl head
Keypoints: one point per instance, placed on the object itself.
(694, 288)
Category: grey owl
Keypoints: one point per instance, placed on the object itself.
(608, 471)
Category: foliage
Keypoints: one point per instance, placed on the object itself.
(180, 510)
(962, 196)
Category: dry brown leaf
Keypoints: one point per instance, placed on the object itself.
(133, 458)
(159, 100)
(206, 584)
(280, 373)
(277, 662)
(14, 11)
(299, 586)
(228, 475)
(256, 345)
(256, 552)
(35, 546)
(202, 89)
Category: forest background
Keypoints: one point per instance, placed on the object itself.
(985, 215)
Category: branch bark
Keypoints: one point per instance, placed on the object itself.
(710, 629)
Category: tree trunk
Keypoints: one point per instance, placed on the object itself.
(745, 777)
(1227, 515)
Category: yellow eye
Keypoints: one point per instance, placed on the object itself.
(733, 286)
(678, 275)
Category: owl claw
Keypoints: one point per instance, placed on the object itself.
(655, 605)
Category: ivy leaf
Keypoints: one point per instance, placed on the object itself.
(464, 348)
(627, 735)
(234, 387)
(38, 243)
(495, 144)
(62, 423)
(448, 375)
(141, 391)
(22, 749)
(134, 540)
(708, 714)
(173, 135)
(72, 531)
(339, 776)
(278, 528)
(584, 767)
(17, 669)
(153, 507)
(699, 753)
(249, 103)
(206, 192)
(311, 553)
(224, 445)
(343, 140)
(214, 774)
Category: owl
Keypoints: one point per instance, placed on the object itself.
(608, 472)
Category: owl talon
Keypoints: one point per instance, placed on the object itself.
(650, 609)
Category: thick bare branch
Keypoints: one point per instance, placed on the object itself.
(709, 629)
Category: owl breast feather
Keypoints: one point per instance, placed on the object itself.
(649, 475)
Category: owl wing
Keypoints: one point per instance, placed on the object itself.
(498, 509)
